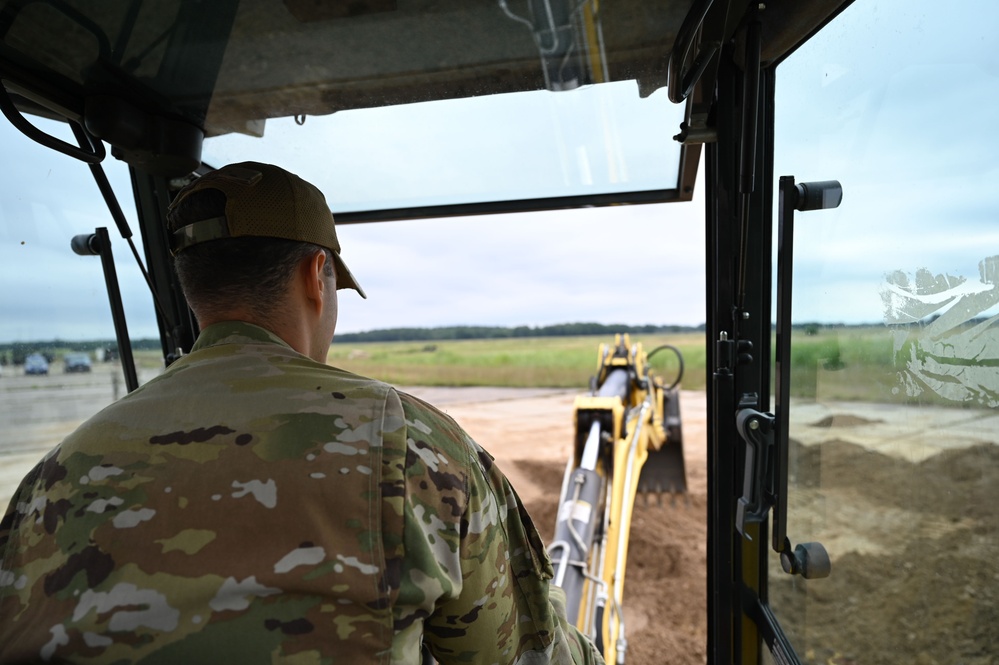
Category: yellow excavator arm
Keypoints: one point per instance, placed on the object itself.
(628, 439)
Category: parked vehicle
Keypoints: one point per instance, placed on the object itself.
(76, 362)
(36, 364)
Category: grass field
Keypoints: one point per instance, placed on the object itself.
(843, 364)
(554, 362)
(832, 363)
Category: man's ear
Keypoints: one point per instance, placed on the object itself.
(312, 272)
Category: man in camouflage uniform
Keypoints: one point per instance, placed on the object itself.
(253, 504)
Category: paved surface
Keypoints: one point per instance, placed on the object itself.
(38, 411)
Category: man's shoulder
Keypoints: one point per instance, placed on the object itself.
(358, 384)
(258, 388)
(260, 366)
(431, 428)
(425, 416)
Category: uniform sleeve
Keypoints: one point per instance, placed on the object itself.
(473, 550)
(14, 587)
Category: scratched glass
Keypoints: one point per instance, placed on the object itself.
(893, 456)
(54, 302)
(597, 139)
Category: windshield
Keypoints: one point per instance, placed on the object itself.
(529, 269)
(414, 104)
(585, 265)
(894, 463)
(592, 140)
(54, 304)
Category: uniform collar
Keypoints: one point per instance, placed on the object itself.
(236, 332)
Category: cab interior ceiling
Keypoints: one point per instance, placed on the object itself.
(154, 78)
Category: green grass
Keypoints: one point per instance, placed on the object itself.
(853, 364)
(831, 364)
(148, 359)
(555, 362)
(842, 364)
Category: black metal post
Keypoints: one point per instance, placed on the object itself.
(117, 311)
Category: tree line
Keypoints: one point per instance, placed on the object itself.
(500, 332)
(15, 352)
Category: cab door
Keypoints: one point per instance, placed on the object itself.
(854, 450)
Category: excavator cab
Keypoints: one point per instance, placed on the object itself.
(843, 159)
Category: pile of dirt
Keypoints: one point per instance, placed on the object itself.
(914, 572)
(844, 420)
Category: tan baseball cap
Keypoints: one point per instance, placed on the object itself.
(266, 201)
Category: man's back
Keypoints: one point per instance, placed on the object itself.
(203, 504)
(251, 503)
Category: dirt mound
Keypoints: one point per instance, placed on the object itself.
(844, 420)
(913, 567)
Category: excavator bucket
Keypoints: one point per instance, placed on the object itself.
(664, 470)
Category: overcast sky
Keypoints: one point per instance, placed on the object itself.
(917, 167)
(634, 264)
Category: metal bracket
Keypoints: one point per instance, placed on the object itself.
(90, 150)
(757, 430)
(99, 243)
(760, 494)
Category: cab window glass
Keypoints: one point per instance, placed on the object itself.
(893, 459)
(55, 315)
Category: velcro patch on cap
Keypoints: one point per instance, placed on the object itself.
(198, 232)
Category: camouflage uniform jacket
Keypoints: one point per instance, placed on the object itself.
(250, 505)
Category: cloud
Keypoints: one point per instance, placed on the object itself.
(630, 264)
(49, 291)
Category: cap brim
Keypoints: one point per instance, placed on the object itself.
(345, 279)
